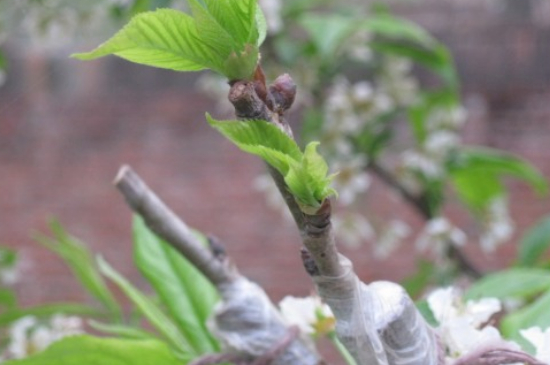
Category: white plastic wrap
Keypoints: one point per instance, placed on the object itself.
(378, 323)
(247, 322)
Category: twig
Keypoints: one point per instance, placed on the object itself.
(161, 220)
(315, 230)
(421, 205)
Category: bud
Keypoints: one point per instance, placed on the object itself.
(283, 92)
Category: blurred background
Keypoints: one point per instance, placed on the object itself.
(66, 127)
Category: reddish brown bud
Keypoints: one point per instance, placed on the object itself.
(283, 92)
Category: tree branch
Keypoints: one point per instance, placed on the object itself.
(161, 220)
(245, 321)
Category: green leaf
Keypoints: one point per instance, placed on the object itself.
(328, 31)
(88, 350)
(45, 311)
(222, 35)
(187, 295)
(258, 137)
(397, 28)
(521, 283)
(79, 259)
(150, 310)
(304, 173)
(534, 243)
(165, 38)
(535, 314)
(415, 284)
(121, 330)
(7, 298)
(477, 175)
(424, 309)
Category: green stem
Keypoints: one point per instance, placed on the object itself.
(341, 349)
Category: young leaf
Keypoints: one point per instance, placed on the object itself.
(150, 310)
(165, 38)
(79, 259)
(187, 295)
(88, 350)
(534, 243)
(304, 173)
(521, 283)
(222, 35)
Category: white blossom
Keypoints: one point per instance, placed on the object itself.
(540, 340)
(463, 326)
(352, 228)
(423, 163)
(438, 233)
(498, 226)
(440, 142)
(351, 179)
(310, 314)
(29, 336)
(390, 239)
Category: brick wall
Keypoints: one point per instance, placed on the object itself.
(66, 127)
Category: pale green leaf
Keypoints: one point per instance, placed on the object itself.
(81, 262)
(164, 38)
(88, 350)
(389, 26)
(534, 243)
(328, 31)
(149, 309)
(187, 295)
(120, 330)
(248, 135)
(519, 283)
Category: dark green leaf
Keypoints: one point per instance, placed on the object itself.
(80, 260)
(534, 243)
(187, 295)
(88, 350)
(426, 312)
(520, 283)
(415, 284)
(149, 309)
(477, 175)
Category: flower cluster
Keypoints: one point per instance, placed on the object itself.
(437, 234)
(442, 137)
(498, 227)
(465, 327)
(28, 335)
